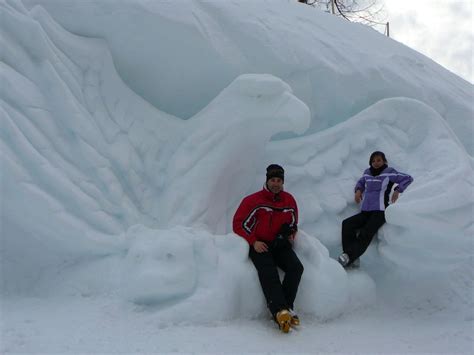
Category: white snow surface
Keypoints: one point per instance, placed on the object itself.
(130, 132)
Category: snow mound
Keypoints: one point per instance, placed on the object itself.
(180, 270)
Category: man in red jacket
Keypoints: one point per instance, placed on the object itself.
(268, 220)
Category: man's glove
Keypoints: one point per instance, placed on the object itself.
(281, 240)
(286, 230)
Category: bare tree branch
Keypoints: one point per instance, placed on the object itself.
(367, 12)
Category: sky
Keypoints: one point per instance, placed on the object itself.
(440, 29)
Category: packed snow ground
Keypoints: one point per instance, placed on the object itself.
(103, 326)
(115, 215)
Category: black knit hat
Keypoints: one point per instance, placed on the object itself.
(275, 170)
(375, 154)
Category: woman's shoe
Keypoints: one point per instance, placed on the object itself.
(355, 264)
(343, 259)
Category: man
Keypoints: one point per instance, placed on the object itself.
(268, 220)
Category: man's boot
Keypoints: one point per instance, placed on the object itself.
(294, 318)
(283, 318)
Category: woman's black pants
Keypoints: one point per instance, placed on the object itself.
(358, 231)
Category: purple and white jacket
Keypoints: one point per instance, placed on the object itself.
(376, 189)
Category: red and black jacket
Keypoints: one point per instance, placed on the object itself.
(261, 215)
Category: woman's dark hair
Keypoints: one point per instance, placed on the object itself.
(377, 154)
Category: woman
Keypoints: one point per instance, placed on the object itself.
(373, 189)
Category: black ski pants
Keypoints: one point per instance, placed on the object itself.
(279, 295)
(367, 223)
